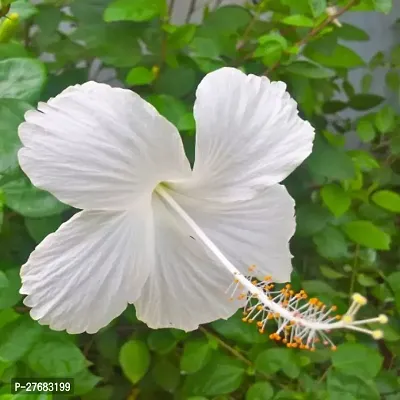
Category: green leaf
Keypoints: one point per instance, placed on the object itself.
(134, 359)
(385, 119)
(271, 361)
(161, 341)
(205, 47)
(319, 288)
(137, 10)
(334, 106)
(330, 273)
(367, 234)
(336, 199)
(84, 382)
(363, 102)
(222, 375)
(344, 387)
(171, 108)
(17, 338)
(392, 80)
(329, 161)
(358, 360)
(177, 82)
(24, 8)
(309, 69)
(22, 197)
(57, 358)
(365, 161)
(139, 76)
(227, 20)
(166, 375)
(365, 130)
(317, 7)
(260, 391)
(12, 50)
(331, 243)
(340, 57)
(273, 37)
(298, 20)
(21, 78)
(7, 316)
(352, 33)
(384, 6)
(387, 199)
(235, 329)
(365, 83)
(181, 36)
(11, 115)
(311, 219)
(9, 296)
(196, 353)
(39, 228)
(107, 343)
(3, 280)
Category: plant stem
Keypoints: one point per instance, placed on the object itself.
(354, 272)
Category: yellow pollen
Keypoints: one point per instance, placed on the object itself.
(348, 319)
(383, 319)
(359, 299)
(377, 335)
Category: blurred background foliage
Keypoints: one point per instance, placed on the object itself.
(348, 200)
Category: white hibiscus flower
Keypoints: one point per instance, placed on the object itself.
(153, 232)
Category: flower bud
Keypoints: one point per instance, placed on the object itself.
(8, 27)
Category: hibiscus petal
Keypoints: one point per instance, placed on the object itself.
(249, 134)
(186, 287)
(255, 231)
(97, 147)
(84, 275)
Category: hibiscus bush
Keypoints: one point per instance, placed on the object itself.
(347, 194)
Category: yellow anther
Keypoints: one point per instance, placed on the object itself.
(338, 317)
(359, 299)
(252, 268)
(259, 324)
(261, 331)
(267, 278)
(348, 319)
(260, 307)
(250, 321)
(320, 304)
(383, 319)
(377, 335)
(288, 286)
(333, 348)
(333, 308)
(244, 319)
